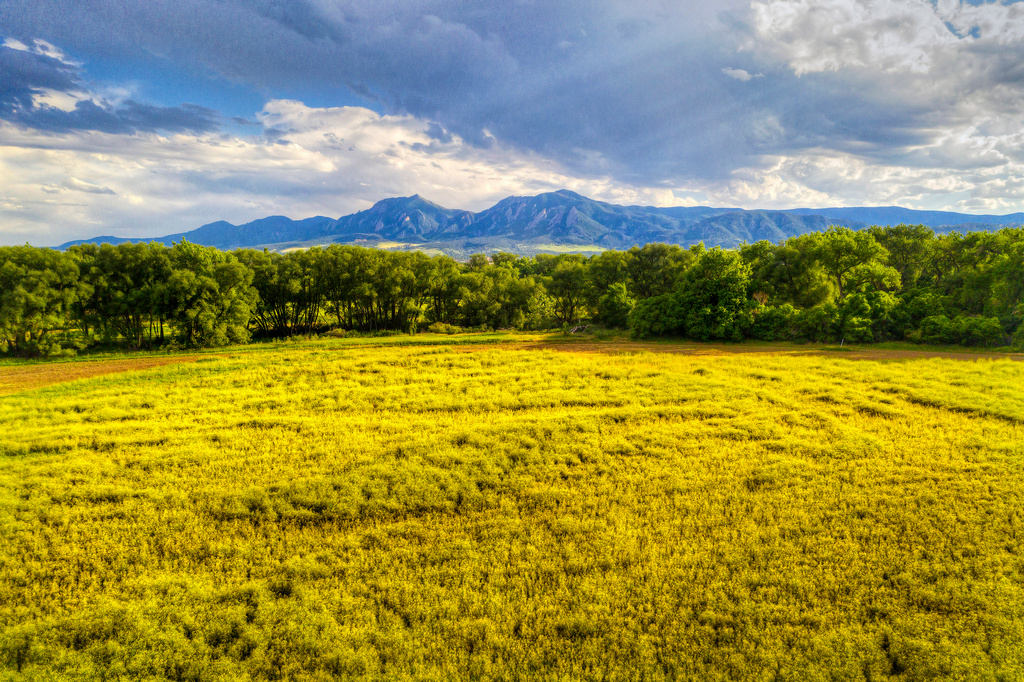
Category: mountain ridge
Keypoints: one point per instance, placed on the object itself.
(562, 218)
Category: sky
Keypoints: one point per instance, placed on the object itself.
(152, 118)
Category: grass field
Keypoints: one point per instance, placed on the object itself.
(369, 510)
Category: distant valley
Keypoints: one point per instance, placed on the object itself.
(554, 222)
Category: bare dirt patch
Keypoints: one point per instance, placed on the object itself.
(27, 377)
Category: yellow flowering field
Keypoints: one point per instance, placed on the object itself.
(435, 512)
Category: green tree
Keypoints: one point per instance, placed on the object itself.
(854, 324)
(908, 247)
(655, 269)
(37, 289)
(210, 297)
(605, 270)
(1008, 278)
(615, 305)
(124, 291)
(788, 272)
(493, 297)
(568, 286)
(517, 264)
(713, 294)
(305, 273)
(657, 316)
(478, 261)
(1018, 336)
(708, 303)
(820, 323)
(442, 291)
(854, 260)
(269, 314)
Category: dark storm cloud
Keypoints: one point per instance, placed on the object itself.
(25, 74)
(399, 52)
(640, 91)
(631, 93)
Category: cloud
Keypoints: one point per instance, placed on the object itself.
(823, 178)
(949, 75)
(334, 161)
(626, 93)
(324, 161)
(741, 101)
(74, 183)
(633, 91)
(24, 73)
(740, 74)
(831, 35)
(41, 88)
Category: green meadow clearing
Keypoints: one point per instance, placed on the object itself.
(343, 510)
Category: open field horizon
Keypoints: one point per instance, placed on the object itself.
(527, 510)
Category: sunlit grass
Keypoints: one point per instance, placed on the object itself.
(570, 248)
(313, 342)
(435, 512)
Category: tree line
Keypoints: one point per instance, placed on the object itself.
(879, 284)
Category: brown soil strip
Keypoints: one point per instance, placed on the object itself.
(27, 377)
(619, 347)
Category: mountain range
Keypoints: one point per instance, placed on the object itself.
(554, 221)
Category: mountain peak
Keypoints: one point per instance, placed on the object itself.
(572, 195)
(560, 217)
(414, 200)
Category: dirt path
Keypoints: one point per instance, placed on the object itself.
(683, 348)
(27, 377)
(20, 378)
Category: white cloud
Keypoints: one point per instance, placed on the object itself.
(48, 50)
(77, 185)
(952, 69)
(40, 47)
(740, 74)
(324, 161)
(59, 99)
(16, 44)
(822, 178)
(829, 35)
(334, 161)
(951, 55)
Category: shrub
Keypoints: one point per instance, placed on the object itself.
(656, 316)
(820, 323)
(980, 331)
(770, 323)
(937, 329)
(444, 328)
(967, 331)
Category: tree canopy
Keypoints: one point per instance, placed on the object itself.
(883, 283)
